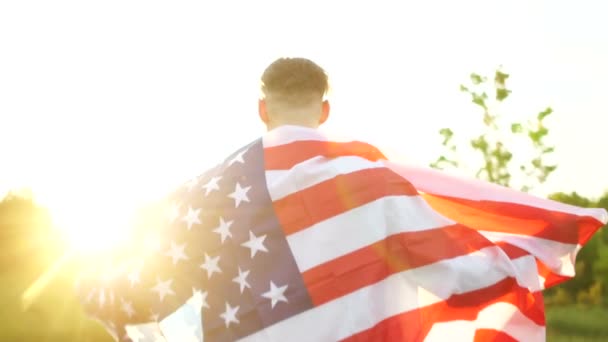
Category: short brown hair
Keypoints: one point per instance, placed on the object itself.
(294, 82)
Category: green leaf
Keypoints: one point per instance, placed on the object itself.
(544, 113)
(550, 168)
(479, 100)
(502, 94)
(477, 79)
(446, 132)
(463, 88)
(500, 77)
(517, 128)
(549, 149)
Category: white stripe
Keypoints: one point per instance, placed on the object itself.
(502, 316)
(526, 273)
(360, 227)
(401, 292)
(440, 183)
(558, 256)
(313, 171)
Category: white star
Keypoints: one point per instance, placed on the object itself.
(229, 315)
(192, 217)
(212, 185)
(163, 288)
(133, 333)
(238, 158)
(211, 266)
(239, 195)
(192, 183)
(242, 279)
(102, 297)
(223, 229)
(275, 294)
(177, 252)
(173, 212)
(255, 244)
(154, 316)
(198, 299)
(133, 276)
(127, 308)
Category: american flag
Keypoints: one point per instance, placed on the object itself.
(298, 238)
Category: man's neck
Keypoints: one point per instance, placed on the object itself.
(271, 126)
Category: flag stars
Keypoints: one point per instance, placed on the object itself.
(239, 195)
(255, 244)
(223, 229)
(163, 288)
(192, 183)
(212, 185)
(192, 217)
(127, 308)
(238, 158)
(275, 294)
(176, 252)
(229, 315)
(198, 299)
(173, 212)
(241, 279)
(102, 298)
(134, 276)
(211, 266)
(154, 316)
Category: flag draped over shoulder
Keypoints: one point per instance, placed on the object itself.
(297, 238)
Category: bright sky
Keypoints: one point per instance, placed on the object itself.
(113, 102)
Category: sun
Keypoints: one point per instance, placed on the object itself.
(93, 225)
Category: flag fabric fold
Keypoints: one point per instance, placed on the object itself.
(295, 237)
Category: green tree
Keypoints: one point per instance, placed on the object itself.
(29, 244)
(492, 143)
(592, 261)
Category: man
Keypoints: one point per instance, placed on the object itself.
(297, 237)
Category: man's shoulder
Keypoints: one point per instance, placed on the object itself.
(205, 181)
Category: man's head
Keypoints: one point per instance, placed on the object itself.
(293, 91)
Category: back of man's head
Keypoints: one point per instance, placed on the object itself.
(293, 91)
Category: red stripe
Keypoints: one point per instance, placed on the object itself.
(395, 254)
(414, 325)
(516, 219)
(284, 157)
(551, 278)
(484, 335)
(321, 201)
(512, 251)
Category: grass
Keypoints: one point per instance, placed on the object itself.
(575, 323)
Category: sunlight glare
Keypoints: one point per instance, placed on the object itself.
(93, 225)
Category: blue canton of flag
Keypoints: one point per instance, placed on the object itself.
(222, 256)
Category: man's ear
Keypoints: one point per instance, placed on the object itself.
(263, 111)
(324, 112)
